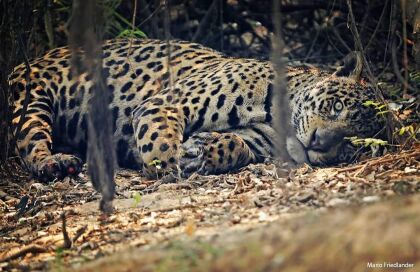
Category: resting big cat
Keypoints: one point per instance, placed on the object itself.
(216, 117)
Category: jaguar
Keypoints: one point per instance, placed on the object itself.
(181, 106)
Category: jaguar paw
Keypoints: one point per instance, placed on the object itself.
(195, 152)
(58, 166)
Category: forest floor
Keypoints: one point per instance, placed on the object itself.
(260, 219)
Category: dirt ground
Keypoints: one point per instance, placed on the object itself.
(263, 218)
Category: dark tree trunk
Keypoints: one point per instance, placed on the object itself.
(86, 25)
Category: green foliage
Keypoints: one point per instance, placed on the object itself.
(415, 77)
(366, 141)
(156, 163)
(409, 131)
(116, 24)
(130, 33)
(137, 198)
(406, 129)
(380, 108)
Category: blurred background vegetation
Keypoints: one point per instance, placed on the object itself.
(318, 31)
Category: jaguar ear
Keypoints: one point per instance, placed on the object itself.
(353, 66)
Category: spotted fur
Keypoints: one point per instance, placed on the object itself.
(216, 116)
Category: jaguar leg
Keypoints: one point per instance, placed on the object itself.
(34, 140)
(159, 133)
(215, 153)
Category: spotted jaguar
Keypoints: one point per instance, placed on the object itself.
(188, 109)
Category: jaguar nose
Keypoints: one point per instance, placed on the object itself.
(315, 142)
(322, 140)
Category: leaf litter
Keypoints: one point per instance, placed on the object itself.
(45, 225)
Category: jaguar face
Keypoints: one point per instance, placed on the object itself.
(331, 110)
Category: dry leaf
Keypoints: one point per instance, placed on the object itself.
(190, 227)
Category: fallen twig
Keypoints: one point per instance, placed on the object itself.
(415, 153)
(67, 242)
(34, 249)
(79, 233)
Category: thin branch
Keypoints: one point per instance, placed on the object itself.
(221, 23)
(34, 249)
(133, 19)
(378, 24)
(150, 15)
(405, 58)
(167, 23)
(66, 237)
(359, 47)
(281, 108)
(380, 160)
(394, 49)
(205, 21)
(79, 233)
(340, 39)
(131, 38)
(372, 78)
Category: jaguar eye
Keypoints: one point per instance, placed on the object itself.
(338, 106)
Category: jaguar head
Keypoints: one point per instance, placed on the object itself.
(330, 110)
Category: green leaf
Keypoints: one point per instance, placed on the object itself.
(366, 141)
(380, 107)
(137, 198)
(156, 163)
(382, 112)
(130, 33)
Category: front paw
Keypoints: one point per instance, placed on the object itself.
(58, 166)
(296, 150)
(192, 159)
(193, 155)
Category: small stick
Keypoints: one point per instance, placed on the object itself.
(79, 233)
(204, 24)
(373, 163)
(34, 249)
(66, 237)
